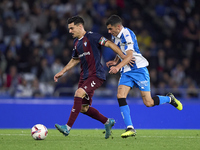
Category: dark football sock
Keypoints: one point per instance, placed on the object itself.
(75, 111)
(95, 114)
(156, 100)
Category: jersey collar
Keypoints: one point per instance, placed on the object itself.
(120, 33)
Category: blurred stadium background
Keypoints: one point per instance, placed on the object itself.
(35, 45)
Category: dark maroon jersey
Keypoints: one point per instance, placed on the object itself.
(88, 50)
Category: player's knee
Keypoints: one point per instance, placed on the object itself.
(79, 93)
(84, 109)
(119, 95)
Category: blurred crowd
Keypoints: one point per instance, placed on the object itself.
(35, 44)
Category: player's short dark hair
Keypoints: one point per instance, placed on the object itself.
(113, 20)
(76, 20)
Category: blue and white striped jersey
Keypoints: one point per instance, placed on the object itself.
(126, 40)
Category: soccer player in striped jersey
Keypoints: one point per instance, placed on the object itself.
(136, 75)
(87, 52)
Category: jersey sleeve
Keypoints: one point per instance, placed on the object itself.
(103, 41)
(98, 38)
(129, 42)
(74, 52)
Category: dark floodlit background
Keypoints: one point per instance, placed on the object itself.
(35, 45)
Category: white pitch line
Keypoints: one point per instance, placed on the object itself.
(20, 135)
(181, 137)
(16, 134)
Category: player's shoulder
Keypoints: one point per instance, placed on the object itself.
(128, 34)
(93, 36)
(90, 33)
(128, 31)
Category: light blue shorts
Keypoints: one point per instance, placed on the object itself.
(138, 78)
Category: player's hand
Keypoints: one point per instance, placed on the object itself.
(58, 75)
(114, 70)
(132, 61)
(111, 63)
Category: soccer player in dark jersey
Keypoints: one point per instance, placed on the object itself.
(87, 52)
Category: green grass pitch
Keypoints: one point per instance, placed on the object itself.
(78, 139)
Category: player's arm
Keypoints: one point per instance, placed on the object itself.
(115, 48)
(113, 62)
(73, 62)
(125, 61)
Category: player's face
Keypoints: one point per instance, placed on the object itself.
(74, 30)
(114, 30)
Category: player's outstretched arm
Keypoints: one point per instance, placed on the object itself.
(71, 64)
(125, 61)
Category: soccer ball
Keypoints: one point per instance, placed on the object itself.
(39, 132)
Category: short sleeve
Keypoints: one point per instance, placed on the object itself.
(74, 53)
(128, 41)
(98, 38)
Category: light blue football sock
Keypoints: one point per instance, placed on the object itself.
(125, 112)
(163, 99)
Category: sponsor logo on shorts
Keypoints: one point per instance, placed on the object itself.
(142, 84)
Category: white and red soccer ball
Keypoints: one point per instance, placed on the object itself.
(39, 132)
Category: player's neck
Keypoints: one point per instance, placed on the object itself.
(82, 34)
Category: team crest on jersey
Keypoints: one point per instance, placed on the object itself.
(85, 43)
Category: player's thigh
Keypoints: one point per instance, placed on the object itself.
(123, 91)
(89, 86)
(147, 99)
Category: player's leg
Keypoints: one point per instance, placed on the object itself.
(125, 84)
(95, 114)
(142, 81)
(90, 85)
(122, 93)
(65, 129)
(79, 94)
(159, 100)
(148, 100)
